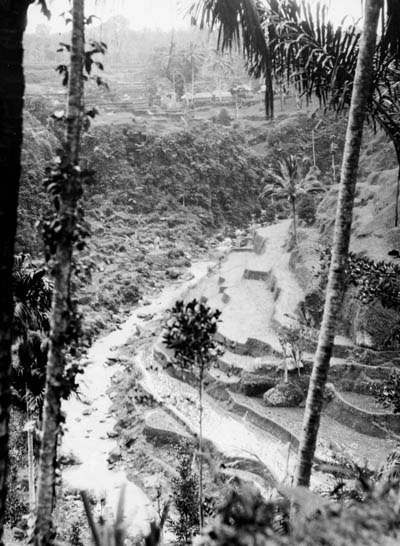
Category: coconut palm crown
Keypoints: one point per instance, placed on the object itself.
(286, 182)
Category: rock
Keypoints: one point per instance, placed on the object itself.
(253, 384)
(285, 395)
(87, 412)
(225, 298)
(114, 455)
(145, 316)
(367, 325)
(112, 434)
(111, 361)
(173, 273)
(69, 459)
(256, 347)
(18, 533)
(364, 339)
(329, 392)
(85, 299)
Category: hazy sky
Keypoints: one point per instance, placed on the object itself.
(154, 13)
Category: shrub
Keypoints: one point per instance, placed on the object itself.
(185, 495)
(292, 340)
(246, 519)
(387, 393)
(306, 209)
(16, 507)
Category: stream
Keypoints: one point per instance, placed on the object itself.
(89, 423)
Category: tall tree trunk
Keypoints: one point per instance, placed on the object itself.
(294, 220)
(12, 27)
(31, 457)
(201, 386)
(269, 94)
(61, 306)
(396, 213)
(334, 292)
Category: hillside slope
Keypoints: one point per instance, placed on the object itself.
(159, 196)
(374, 235)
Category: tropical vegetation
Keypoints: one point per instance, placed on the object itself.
(190, 332)
(210, 174)
(286, 182)
(282, 38)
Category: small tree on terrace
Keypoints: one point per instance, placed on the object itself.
(287, 183)
(190, 332)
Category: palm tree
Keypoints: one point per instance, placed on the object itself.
(361, 96)
(32, 301)
(32, 297)
(303, 48)
(62, 312)
(321, 60)
(195, 55)
(241, 23)
(287, 183)
(13, 14)
(341, 71)
(222, 65)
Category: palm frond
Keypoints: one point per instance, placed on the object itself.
(239, 24)
(32, 296)
(390, 39)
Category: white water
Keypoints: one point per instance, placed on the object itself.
(86, 435)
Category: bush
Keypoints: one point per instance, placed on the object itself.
(16, 506)
(185, 498)
(246, 519)
(306, 209)
(387, 393)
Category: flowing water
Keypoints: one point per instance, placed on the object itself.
(89, 420)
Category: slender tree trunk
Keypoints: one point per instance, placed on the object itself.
(313, 146)
(12, 27)
(294, 220)
(396, 213)
(334, 292)
(31, 458)
(333, 168)
(269, 94)
(61, 306)
(201, 386)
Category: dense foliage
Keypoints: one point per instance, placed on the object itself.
(246, 519)
(208, 169)
(375, 280)
(387, 393)
(190, 332)
(184, 489)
